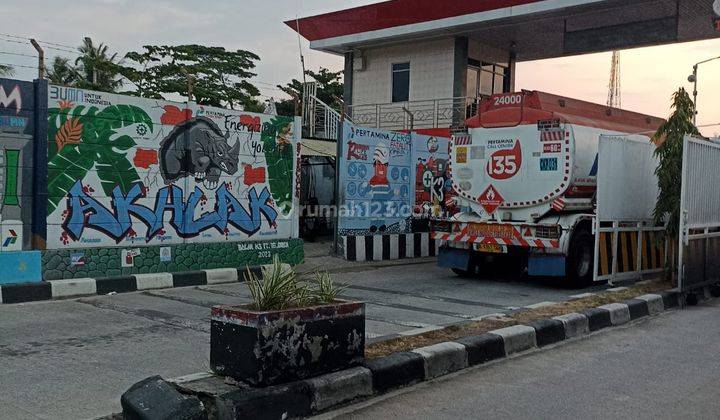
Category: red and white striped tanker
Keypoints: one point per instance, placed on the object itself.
(525, 175)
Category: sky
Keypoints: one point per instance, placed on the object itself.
(649, 75)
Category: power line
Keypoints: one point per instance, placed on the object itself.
(40, 41)
(19, 54)
(19, 65)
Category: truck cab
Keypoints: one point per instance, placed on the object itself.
(525, 179)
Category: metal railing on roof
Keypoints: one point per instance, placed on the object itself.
(434, 113)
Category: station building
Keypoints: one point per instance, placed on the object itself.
(437, 59)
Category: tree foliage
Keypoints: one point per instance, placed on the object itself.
(95, 68)
(669, 138)
(329, 86)
(220, 76)
(62, 72)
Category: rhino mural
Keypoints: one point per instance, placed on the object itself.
(136, 172)
(198, 148)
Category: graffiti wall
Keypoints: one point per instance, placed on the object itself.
(433, 188)
(376, 183)
(131, 172)
(17, 109)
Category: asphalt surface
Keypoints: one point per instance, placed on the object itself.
(73, 359)
(664, 367)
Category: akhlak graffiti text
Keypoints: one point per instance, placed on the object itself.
(86, 212)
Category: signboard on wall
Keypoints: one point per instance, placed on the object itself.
(376, 182)
(126, 171)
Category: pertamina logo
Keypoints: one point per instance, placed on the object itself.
(490, 200)
(10, 240)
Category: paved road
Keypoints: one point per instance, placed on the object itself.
(73, 358)
(665, 367)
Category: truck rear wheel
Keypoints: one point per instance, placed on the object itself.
(579, 268)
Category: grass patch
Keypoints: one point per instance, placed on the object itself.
(454, 332)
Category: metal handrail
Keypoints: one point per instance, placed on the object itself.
(432, 113)
(320, 119)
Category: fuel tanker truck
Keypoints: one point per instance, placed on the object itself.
(525, 179)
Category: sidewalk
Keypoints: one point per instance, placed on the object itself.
(318, 257)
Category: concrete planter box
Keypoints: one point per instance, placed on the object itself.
(267, 348)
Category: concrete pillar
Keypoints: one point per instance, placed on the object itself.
(348, 80)
(460, 62)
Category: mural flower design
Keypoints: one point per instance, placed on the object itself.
(86, 139)
(174, 115)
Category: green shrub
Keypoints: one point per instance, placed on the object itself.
(280, 288)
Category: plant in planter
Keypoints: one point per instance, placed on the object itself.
(292, 330)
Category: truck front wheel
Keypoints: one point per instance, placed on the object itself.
(580, 259)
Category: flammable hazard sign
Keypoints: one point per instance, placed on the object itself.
(490, 200)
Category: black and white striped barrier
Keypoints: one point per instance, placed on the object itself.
(389, 247)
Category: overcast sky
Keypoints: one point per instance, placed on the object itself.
(649, 75)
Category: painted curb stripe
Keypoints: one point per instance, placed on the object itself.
(191, 278)
(123, 284)
(30, 292)
(47, 290)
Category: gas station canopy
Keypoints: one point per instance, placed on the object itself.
(532, 29)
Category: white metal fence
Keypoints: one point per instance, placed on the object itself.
(626, 240)
(699, 250)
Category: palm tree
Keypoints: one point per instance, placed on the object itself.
(61, 72)
(97, 69)
(6, 70)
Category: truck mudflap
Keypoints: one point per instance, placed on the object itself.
(498, 234)
(454, 258)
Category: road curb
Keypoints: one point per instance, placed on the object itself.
(396, 370)
(72, 288)
(383, 374)
(443, 358)
(517, 338)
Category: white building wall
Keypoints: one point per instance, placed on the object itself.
(431, 71)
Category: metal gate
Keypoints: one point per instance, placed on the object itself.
(627, 243)
(699, 241)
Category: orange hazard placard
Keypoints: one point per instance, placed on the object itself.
(490, 200)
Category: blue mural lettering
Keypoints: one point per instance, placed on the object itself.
(85, 212)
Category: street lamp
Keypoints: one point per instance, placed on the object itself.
(693, 78)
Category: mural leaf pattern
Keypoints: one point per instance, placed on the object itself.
(86, 139)
(279, 155)
(69, 133)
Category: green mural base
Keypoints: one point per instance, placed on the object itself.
(110, 262)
